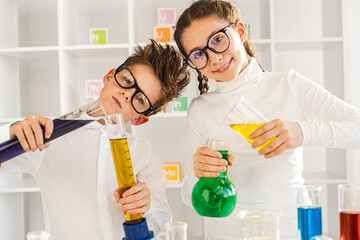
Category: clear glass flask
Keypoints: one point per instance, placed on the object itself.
(349, 211)
(215, 197)
(245, 119)
(260, 224)
(309, 212)
(176, 230)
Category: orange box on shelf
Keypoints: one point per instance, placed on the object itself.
(163, 34)
(172, 171)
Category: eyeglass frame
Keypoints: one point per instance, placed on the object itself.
(223, 30)
(137, 89)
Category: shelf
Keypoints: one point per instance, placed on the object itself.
(25, 186)
(322, 178)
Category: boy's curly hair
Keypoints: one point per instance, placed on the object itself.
(168, 65)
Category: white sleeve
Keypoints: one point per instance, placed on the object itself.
(153, 175)
(195, 140)
(4, 132)
(327, 120)
(25, 163)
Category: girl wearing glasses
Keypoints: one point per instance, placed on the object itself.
(214, 42)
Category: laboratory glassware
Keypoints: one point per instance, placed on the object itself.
(62, 125)
(135, 225)
(349, 210)
(215, 197)
(245, 119)
(260, 224)
(309, 212)
(176, 230)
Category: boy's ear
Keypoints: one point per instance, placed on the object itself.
(139, 120)
(241, 30)
(109, 75)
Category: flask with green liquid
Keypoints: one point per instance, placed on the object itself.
(215, 197)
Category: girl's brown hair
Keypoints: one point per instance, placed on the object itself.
(205, 8)
(168, 66)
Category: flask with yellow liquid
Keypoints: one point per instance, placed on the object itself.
(135, 225)
(245, 119)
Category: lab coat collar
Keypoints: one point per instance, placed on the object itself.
(248, 75)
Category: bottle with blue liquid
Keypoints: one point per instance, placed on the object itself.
(309, 212)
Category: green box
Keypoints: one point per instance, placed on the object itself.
(98, 36)
(180, 104)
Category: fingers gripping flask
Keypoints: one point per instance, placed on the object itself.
(62, 125)
(215, 197)
(135, 226)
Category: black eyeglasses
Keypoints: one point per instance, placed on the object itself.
(139, 101)
(218, 42)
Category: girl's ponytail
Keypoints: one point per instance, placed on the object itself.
(203, 83)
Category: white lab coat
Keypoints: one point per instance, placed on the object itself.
(77, 179)
(267, 183)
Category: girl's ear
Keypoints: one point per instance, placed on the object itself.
(109, 75)
(241, 30)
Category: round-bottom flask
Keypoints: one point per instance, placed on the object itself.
(215, 197)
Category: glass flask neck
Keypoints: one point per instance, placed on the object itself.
(225, 155)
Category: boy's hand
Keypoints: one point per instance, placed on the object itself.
(134, 200)
(288, 135)
(30, 134)
(209, 163)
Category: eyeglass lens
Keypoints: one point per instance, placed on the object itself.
(139, 101)
(218, 43)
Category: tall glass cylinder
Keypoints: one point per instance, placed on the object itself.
(260, 224)
(115, 127)
(215, 197)
(309, 212)
(349, 209)
(176, 230)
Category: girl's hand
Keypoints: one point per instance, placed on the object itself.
(288, 135)
(134, 200)
(209, 163)
(30, 134)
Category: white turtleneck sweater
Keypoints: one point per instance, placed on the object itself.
(267, 183)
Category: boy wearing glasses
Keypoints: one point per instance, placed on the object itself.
(76, 175)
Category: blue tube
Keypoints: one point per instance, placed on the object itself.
(12, 148)
(309, 222)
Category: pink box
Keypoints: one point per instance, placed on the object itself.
(166, 16)
(93, 88)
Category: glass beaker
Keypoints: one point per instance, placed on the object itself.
(349, 209)
(215, 197)
(309, 212)
(176, 230)
(62, 125)
(245, 119)
(38, 235)
(260, 224)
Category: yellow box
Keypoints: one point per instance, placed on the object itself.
(172, 171)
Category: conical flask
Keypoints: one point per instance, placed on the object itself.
(245, 119)
(215, 197)
(62, 125)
